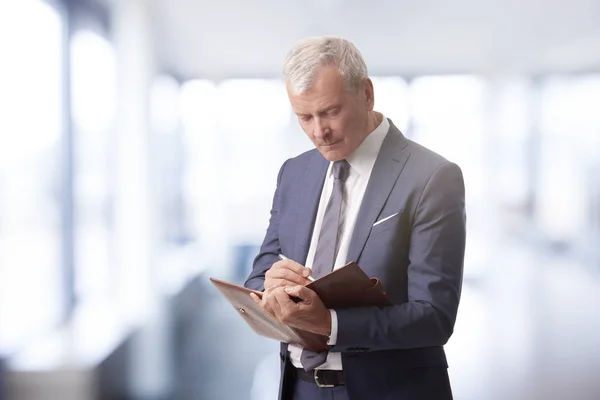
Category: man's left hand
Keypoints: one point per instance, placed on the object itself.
(309, 314)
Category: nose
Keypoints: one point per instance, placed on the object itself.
(321, 130)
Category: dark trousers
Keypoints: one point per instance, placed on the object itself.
(409, 384)
(309, 391)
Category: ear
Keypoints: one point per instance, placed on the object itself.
(369, 93)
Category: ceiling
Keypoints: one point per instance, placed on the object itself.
(237, 38)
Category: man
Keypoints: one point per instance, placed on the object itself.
(364, 194)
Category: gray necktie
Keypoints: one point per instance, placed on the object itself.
(327, 247)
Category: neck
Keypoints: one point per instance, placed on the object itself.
(373, 120)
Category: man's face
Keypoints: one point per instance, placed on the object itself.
(334, 118)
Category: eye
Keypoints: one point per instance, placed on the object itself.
(332, 112)
(305, 118)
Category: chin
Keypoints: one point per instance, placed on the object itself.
(333, 155)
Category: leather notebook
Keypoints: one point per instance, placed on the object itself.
(345, 287)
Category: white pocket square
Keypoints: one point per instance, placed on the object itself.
(385, 219)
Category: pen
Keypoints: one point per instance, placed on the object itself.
(282, 257)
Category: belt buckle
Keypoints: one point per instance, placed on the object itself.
(319, 384)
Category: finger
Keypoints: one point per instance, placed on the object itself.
(286, 306)
(271, 304)
(284, 277)
(256, 299)
(267, 308)
(271, 283)
(293, 266)
(289, 275)
(301, 292)
(282, 298)
(264, 303)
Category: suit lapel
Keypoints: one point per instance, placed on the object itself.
(308, 203)
(386, 170)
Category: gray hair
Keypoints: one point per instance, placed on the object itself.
(302, 63)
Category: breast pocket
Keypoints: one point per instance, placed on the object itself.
(386, 223)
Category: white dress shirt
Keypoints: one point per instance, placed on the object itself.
(361, 163)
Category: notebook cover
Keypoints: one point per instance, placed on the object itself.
(345, 287)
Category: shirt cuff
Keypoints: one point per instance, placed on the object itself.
(334, 329)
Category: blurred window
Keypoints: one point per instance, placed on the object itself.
(234, 136)
(570, 135)
(93, 99)
(252, 115)
(198, 110)
(31, 98)
(167, 159)
(448, 117)
(507, 151)
(391, 98)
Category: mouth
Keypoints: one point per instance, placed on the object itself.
(331, 144)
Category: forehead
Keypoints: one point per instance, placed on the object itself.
(327, 89)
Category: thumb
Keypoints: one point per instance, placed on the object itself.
(293, 290)
(301, 292)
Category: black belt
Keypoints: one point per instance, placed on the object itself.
(321, 377)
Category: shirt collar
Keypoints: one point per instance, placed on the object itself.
(363, 158)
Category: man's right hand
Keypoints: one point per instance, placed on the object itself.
(286, 273)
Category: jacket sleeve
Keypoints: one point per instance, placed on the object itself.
(436, 255)
(270, 248)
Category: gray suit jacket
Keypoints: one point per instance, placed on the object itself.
(418, 255)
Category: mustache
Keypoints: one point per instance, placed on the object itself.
(327, 143)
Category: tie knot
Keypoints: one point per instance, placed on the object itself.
(341, 169)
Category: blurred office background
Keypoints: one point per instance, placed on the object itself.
(139, 147)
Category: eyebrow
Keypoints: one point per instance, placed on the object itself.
(328, 108)
(319, 111)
